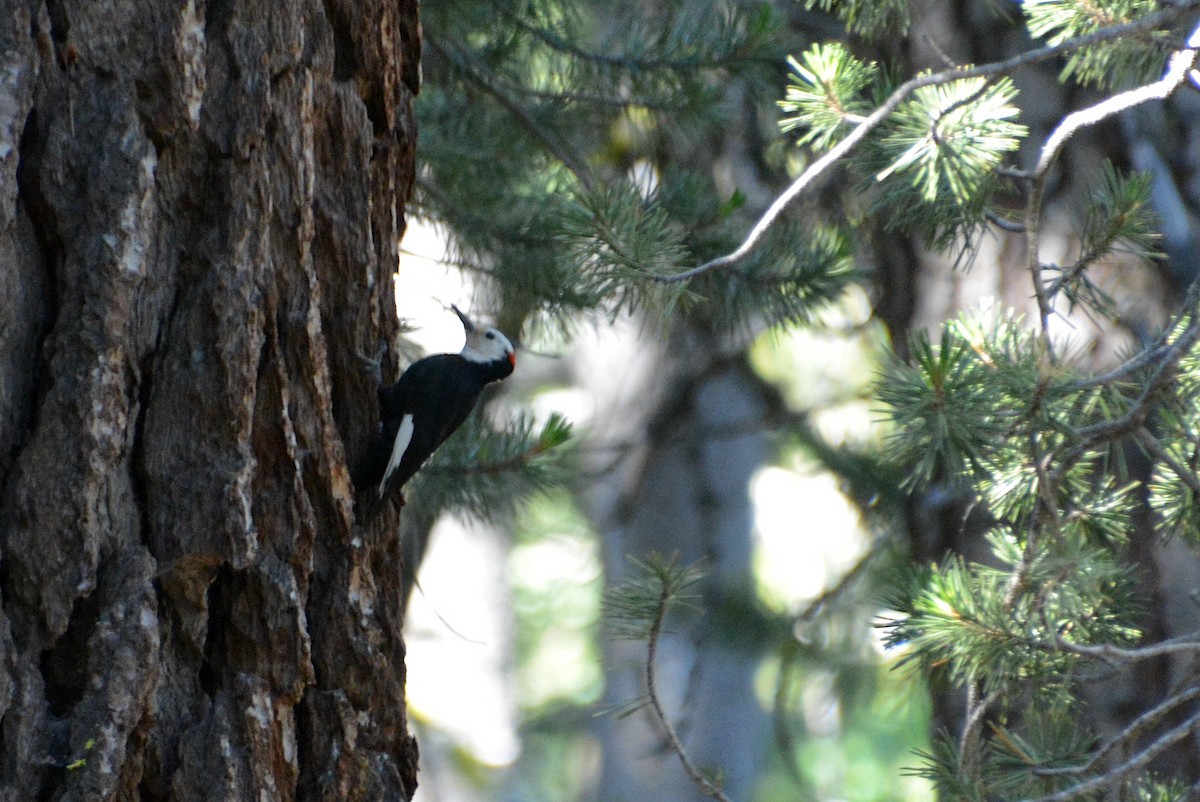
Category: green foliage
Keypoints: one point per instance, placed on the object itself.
(580, 215)
(781, 286)
(657, 584)
(621, 242)
(826, 92)
(943, 408)
(487, 472)
(1120, 216)
(1174, 487)
(945, 142)
(1118, 220)
(870, 18)
(980, 624)
(944, 146)
(1028, 439)
(951, 137)
(1126, 61)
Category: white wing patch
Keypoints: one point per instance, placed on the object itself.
(399, 446)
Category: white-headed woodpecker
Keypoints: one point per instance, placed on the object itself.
(431, 399)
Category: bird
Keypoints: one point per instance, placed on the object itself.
(429, 402)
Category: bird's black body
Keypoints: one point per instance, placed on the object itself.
(429, 402)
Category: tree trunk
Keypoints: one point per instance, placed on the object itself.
(200, 211)
(696, 412)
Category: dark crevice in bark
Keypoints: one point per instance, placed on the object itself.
(348, 66)
(377, 114)
(138, 477)
(64, 665)
(64, 670)
(216, 31)
(60, 23)
(146, 97)
(345, 60)
(147, 793)
(216, 643)
(305, 781)
(47, 232)
(52, 779)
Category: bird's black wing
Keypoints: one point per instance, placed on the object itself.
(439, 391)
(395, 402)
(443, 401)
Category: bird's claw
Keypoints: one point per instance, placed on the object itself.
(374, 364)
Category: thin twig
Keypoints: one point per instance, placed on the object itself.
(1108, 652)
(1131, 732)
(1178, 66)
(1136, 415)
(1123, 770)
(1132, 365)
(873, 120)
(1156, 449)
(656, 629)
(1002, 223)
(1045, 508)
(1168, 357)
(970, 759)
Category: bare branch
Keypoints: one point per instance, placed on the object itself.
(970, 756)
(1115, 654)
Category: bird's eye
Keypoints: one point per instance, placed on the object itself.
(491, 335)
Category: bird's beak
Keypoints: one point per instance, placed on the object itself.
(512, 358)
(466, 321)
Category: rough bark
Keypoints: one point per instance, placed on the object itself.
(199, 211)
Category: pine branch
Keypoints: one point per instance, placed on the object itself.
(1135, 763)
(1178, 67)
(472, 65)
(637, 609)
(1107, 431)
(1156, 450)
(872, 121)
(1130, 733)
(1187, 644)
(656, 630)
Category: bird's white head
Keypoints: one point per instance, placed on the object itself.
(485, 343)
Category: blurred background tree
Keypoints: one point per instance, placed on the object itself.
(947, 390)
